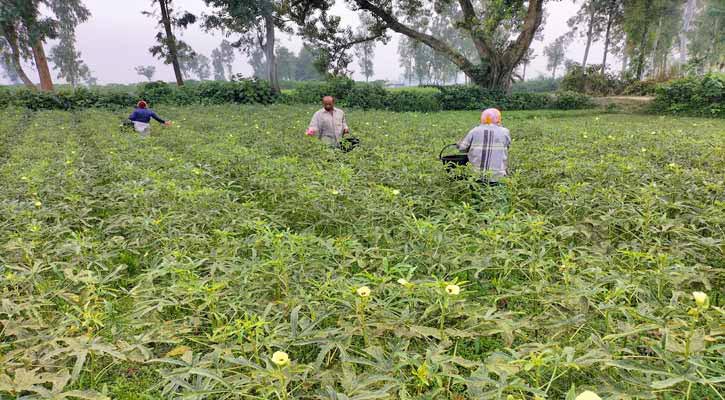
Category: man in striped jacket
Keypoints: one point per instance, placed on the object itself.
(487, 146)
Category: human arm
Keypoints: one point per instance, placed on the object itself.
(345, 128)
(157, 118)
(133, 116)
(314, 127)
(465, 144)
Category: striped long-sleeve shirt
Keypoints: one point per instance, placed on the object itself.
(487, 148)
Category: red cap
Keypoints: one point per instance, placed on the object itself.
(142, 104)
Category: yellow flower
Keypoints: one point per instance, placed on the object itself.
(38, 204)
(396, 192)
(403, 282)
(363, 291)
(701, 299)
(453, 290)
(588, 395)
(280, 358)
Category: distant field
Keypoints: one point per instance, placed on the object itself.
(176, 266)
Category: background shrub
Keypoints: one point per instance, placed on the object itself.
(591, 80)
(538, 85)
(693, 95)
(640, 88)
(567, 100)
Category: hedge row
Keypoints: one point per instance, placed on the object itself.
(702, 96)
(213, 92)
(456, 97)
(348, 93)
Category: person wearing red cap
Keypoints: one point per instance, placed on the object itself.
(141, 118)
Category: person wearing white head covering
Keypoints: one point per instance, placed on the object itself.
(487, 146)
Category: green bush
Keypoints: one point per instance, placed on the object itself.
(462, 97)
(572, 101)
(693, 95)
(245, 91)
(538, 85)
(641, 88)
(313, 91)
(412, 100)
(591, 80)
(242, 91)
(367, 96)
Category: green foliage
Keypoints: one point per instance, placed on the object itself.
(367, 96)
(175, 266)
(641, 88)
(572, 101)
(468, 97)
(312, 92)
(209, 92)
(538, 85)
(412, 100)
(65, 99)
(591, 81)
(703, 96)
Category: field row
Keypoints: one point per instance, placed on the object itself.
(178, 265)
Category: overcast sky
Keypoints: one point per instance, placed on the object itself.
(117, 38)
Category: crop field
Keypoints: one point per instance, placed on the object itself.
(230, 257)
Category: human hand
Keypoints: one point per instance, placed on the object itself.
(346, 131)
(310, 132)
(167, 123)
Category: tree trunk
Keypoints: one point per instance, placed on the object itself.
(171, 42)
(686, 18)
(269, 53)
(523, 73)
(12, 37)
(502, 61)
(41, 63)
(656, 46)
(589, 36)
(643, 43)
(625, 59)
(606, 43)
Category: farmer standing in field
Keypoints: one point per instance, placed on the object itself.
(487, 147)
(141, 118)
(329, 124)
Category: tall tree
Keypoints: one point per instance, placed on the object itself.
(6, 60)
(365, 52)
(528, 58)
(200, 66)
(650, 27)
(14, 50)
(588, 23)
(147, 71)
(258, 63)
(613, 31)
(305, 69)
(67, 60)
(706, 42)
(687, 17)
(169, 48)
(26, 30)
(255, 22)
(405, 59)
(555, 54)
(286, 63)
(222, 60)
(185, 56)
(501, 31)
